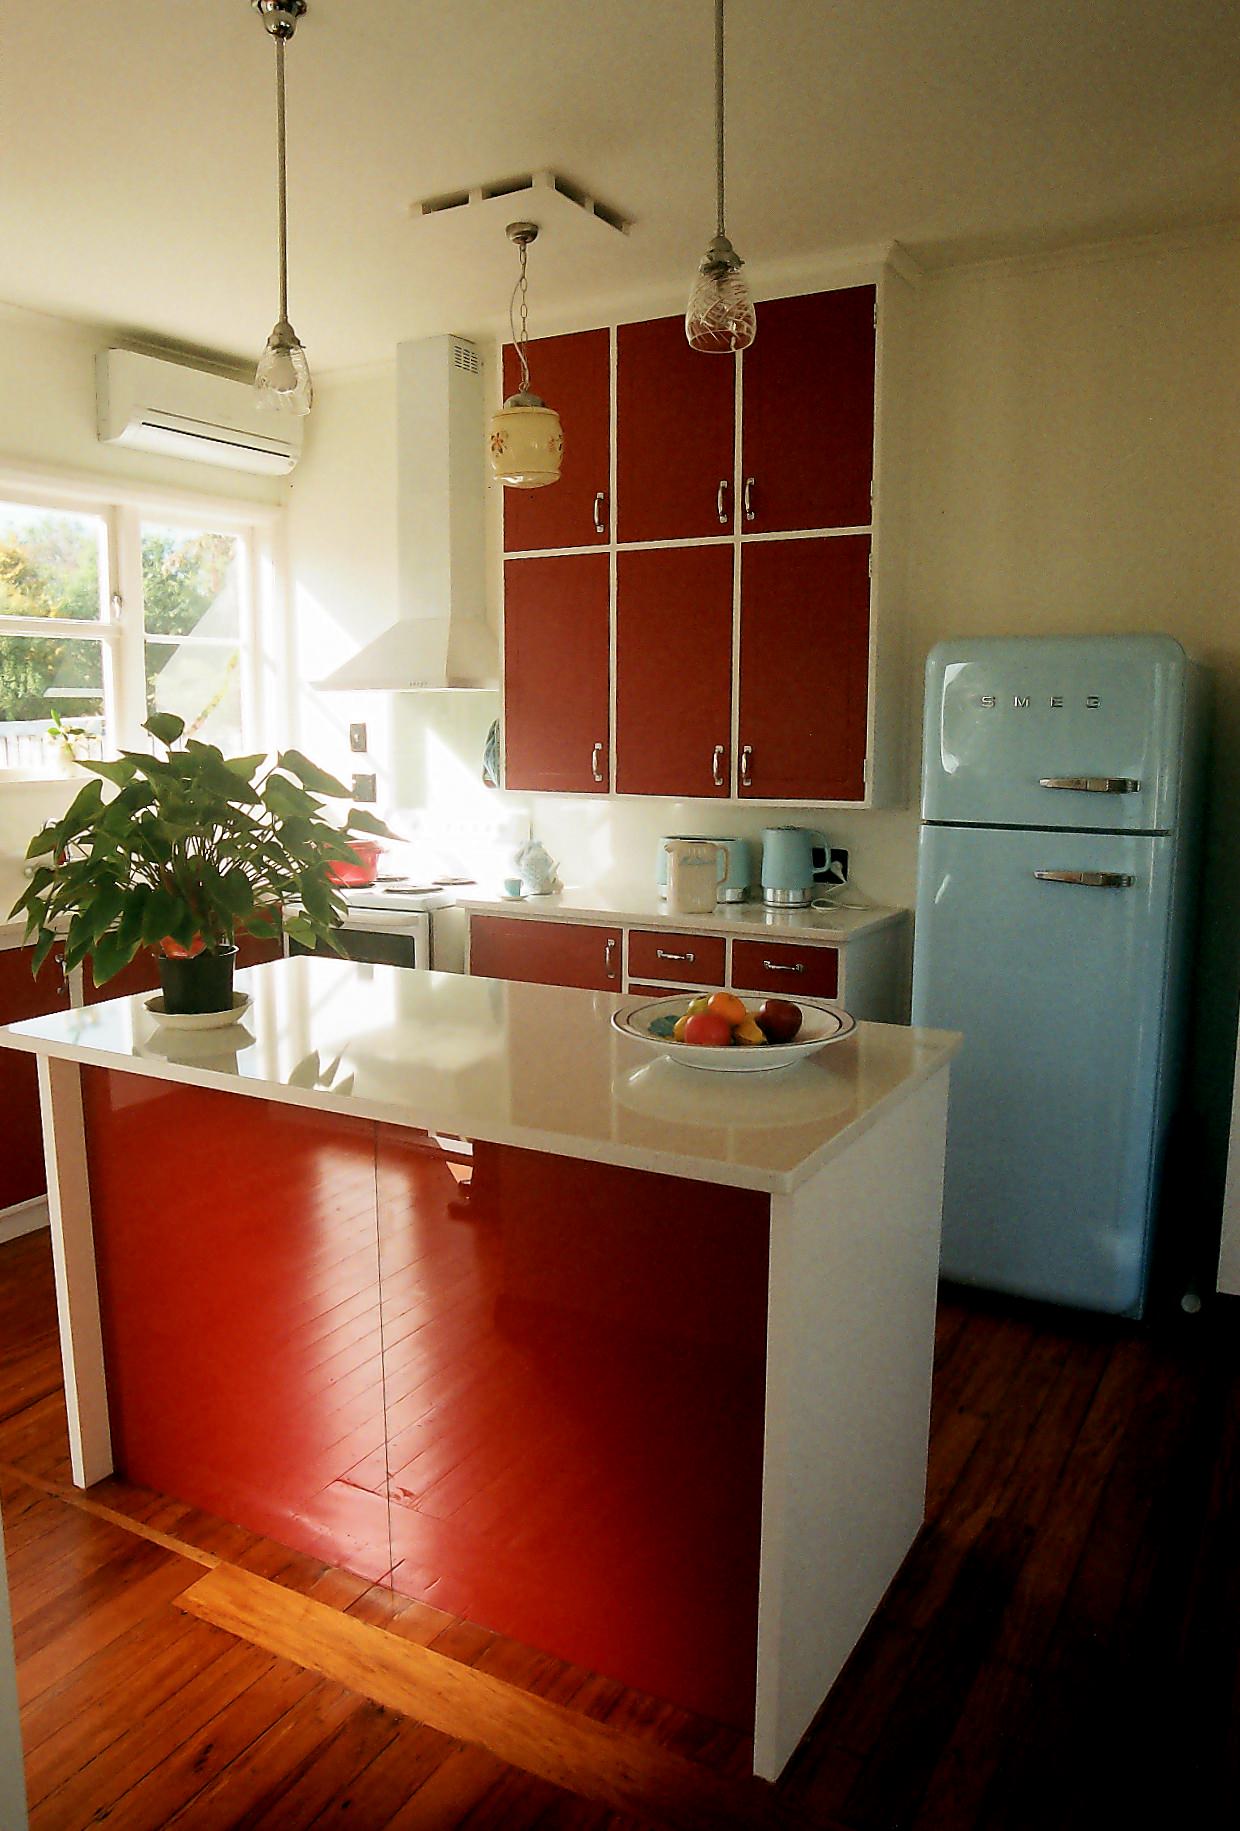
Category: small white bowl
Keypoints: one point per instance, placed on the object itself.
(821, 1024)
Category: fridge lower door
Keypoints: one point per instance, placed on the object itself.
(1059, 988)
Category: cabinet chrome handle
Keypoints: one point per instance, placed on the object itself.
(599, 499)
(774, 966)
(663, 953)
(747, 766)
(609, 957)
(1092, 880)
(1093, 785)
(716, 766)
(721, 502)
(596, 762)
(751, 513)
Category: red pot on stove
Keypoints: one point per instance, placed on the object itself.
(356, 876)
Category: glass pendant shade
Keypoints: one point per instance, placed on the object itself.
(282, 379)
(527, 443)
(720, 317)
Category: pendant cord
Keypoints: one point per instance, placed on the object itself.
(522, 339)
(719, 110)
(282, 169)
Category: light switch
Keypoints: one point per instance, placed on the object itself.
(357, 737)
(364, 788)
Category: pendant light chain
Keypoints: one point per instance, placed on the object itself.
(521, 290)
(282, 171)
(719, 180)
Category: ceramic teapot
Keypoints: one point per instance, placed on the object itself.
(537, 867)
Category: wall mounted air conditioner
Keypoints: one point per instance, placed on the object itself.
(150, 404)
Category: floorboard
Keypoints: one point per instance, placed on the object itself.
(1061, 1648)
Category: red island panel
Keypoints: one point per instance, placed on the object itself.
(573, 1357)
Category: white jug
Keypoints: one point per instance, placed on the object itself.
(695, 870)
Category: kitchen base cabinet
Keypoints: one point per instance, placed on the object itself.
(21, 1137)
(545, 953)
(557, 673)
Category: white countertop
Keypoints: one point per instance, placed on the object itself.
(529, 1065)
(644, 907)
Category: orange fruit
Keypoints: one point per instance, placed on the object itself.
(728, 1006)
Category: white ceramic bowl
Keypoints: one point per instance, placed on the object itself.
(821, 1024)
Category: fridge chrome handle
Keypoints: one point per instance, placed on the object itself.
(1093, 785)
(1092, 880)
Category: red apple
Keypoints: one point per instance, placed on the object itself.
(779, 1020)
(707, 1030)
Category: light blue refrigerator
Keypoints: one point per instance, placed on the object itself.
(1055, 879)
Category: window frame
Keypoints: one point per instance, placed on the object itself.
(267, 707)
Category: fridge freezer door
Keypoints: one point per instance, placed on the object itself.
(1007, 715)
(1059, 990)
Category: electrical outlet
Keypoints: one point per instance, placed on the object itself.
(357, 737)
(365, 788)
(837, 864)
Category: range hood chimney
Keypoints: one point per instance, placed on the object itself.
(442, 639)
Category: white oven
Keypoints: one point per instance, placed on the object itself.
(381, 937)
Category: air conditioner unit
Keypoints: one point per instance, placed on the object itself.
(153, 405)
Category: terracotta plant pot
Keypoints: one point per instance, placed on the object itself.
(198, 982)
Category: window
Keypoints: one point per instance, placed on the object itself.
(110, 611)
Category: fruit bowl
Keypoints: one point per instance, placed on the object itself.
(821, 1024)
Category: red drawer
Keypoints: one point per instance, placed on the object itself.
(688, 959)
(775, 966)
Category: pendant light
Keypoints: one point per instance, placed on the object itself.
(282, 379)
(527, 443)
(720, 315)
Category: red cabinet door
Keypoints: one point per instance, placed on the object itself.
(804, 669)
(545, 953)
(21, 1135)
(573, 375)
(807, 418)
(557, 676)
(674, 671)
(675, 413)
(141, 975)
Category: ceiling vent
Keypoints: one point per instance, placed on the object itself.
(523, 194)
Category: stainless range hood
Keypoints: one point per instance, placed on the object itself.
(441, 639)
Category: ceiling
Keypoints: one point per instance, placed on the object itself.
(138, 187)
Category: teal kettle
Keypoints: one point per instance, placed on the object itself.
(794, 859)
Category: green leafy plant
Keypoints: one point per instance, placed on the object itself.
(192, 846)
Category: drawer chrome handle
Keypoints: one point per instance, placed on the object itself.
(1093, 785)
(774, 966)
(747, 766)
(1092, 880)
(596, 762)
(662, 953)
(721, 502)
(599, 499)
(716, 765)
(609, 957)
(750, 511)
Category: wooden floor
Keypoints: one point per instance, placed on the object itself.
(1062, 1647)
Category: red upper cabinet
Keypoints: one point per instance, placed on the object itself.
(675, 417)
(573, 375)
(807, 427)
(674, 671)
(557, 648)
(804, 669)
(21, 1135)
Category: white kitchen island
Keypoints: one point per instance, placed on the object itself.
(446, 1280)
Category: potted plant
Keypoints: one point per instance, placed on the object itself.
(193, 846)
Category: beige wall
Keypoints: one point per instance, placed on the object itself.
(1076, 425)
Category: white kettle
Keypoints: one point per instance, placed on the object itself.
(695, 870)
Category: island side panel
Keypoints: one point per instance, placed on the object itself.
(575, 1374)
(73, 1258)
(237, 1250)
(853, 1291)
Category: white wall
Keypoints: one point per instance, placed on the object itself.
(1076, 424)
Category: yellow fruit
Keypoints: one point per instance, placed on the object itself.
(748, 1032)
(678, 1034)
(727, 1005)
(696, 1005)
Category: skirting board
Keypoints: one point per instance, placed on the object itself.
(23, 1217)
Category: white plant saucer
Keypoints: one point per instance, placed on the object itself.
(197, 1020)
